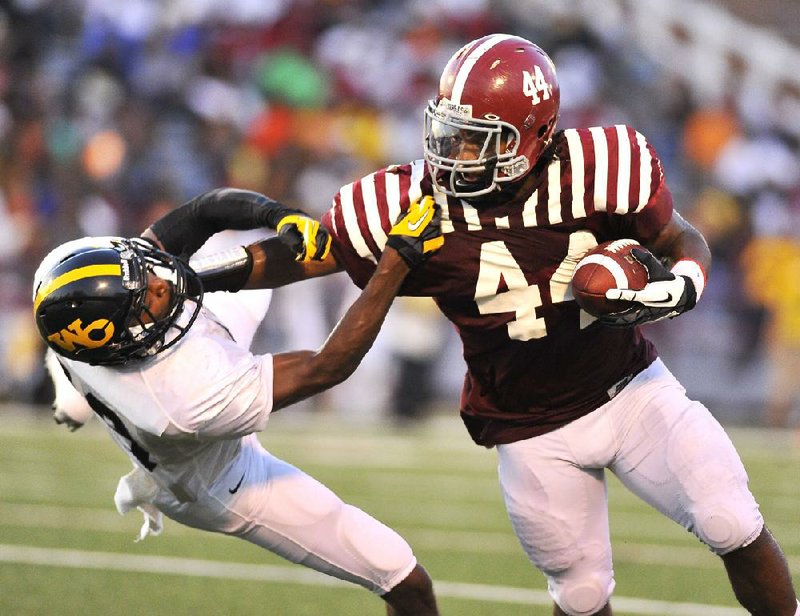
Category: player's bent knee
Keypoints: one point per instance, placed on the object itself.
(582, 598)
(386, 554)
(579, 580)
(724, 530)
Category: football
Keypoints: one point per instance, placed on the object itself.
(608, 266)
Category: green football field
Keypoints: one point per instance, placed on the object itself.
(65, 550)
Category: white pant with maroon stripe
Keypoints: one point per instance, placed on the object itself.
(667, 449)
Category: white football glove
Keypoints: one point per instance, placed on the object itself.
(138, 489)
(666, 295)
(70, 408)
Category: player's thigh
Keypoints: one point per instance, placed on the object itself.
(295, 516)
(558, 509)
(677, 457)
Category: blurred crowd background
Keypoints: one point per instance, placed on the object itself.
(111, 113)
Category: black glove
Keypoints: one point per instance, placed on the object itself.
(664, 296)
(307, 239)
(417, 233)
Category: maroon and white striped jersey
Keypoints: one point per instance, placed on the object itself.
(535, 361)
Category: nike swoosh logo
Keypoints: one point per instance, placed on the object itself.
(235, 489)
(413, 226)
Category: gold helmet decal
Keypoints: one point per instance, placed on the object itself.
(94, 335)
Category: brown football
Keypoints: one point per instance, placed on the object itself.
(608, 266)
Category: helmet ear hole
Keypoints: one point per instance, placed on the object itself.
(97, 334)
(543, 131)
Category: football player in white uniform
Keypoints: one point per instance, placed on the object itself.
(241, 313)
(184, 399)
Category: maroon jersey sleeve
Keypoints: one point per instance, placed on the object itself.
(613, 169)
(362, 214)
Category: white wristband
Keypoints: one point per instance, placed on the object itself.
(219, 262)
(693, 271)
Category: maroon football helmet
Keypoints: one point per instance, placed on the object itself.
(494, 115)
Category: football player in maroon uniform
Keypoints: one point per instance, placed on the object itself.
(560, 395)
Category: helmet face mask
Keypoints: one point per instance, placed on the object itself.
(492, 142)
(494, 115)
(90, 300)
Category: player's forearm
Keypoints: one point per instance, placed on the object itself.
(354, 334)
(680, 240)
(274, 265)
(693, 246)
(305, 373)
(267, 264)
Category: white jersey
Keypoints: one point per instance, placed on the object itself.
(179, 414)
(187, 418)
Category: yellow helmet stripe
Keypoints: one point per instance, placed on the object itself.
(89, 271)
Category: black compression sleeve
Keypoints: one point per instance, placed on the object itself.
(186, 228)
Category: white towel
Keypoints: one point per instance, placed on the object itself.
(138, 489)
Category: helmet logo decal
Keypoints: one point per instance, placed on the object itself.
(447, 107)
(131, 270)
(94, 335)
(535, 84)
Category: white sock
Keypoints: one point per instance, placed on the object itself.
(797, 611)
